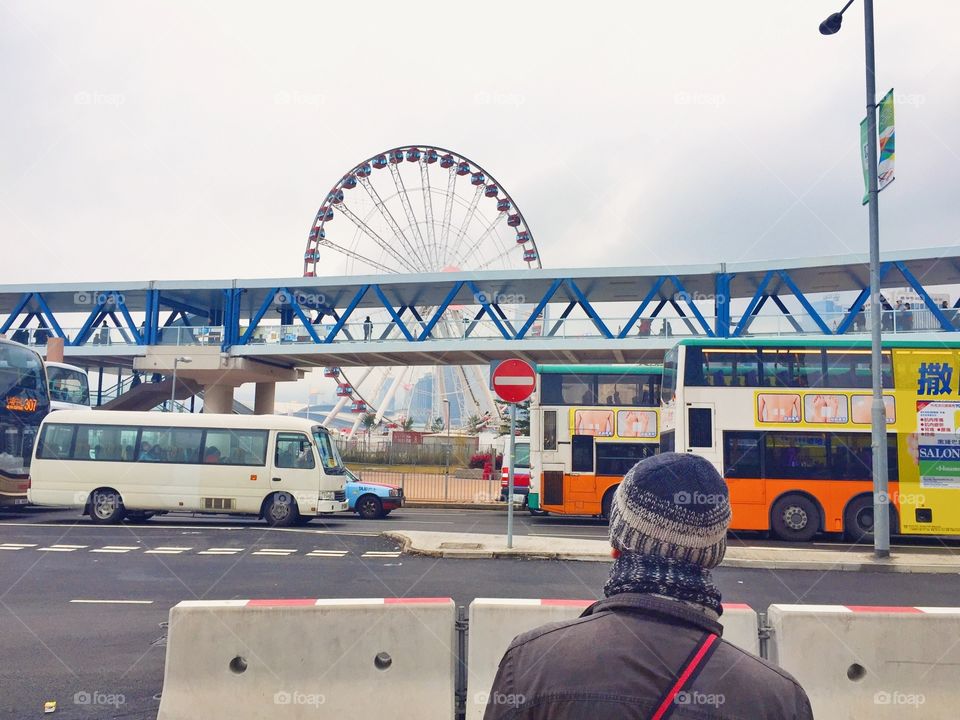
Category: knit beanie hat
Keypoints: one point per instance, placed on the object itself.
(675, 506)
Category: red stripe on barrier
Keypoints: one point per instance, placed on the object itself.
(562, 601)
(736, 606)
(287, 602)
(883, 609)
(405, 601)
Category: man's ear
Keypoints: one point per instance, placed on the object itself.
(614, 553)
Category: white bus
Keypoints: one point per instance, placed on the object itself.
(69, 387)
(116, 465)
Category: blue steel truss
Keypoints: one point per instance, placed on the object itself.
(458, 301)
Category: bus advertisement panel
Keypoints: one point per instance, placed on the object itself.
(788, 422)
(589, 424)
(24, 401)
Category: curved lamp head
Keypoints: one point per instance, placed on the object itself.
(832, 24)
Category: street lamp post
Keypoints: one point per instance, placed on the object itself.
(173, 389)
(881, 500)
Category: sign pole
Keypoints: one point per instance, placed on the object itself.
(512, 455)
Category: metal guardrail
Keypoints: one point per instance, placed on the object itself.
(437, 487)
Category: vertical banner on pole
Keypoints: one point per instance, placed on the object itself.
(886, 151)
(885, 129)
(864, 161)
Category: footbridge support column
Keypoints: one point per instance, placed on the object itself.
(264, 398)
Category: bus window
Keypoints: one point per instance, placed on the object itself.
(581, 456)
(847, 368)
(619, 458)
(668, 387)
(56, 441)
(796, 455)
(294, 451)
(176, 445)
(619, 391)
(567, 389)
(235, 447)
(329, 456)
(549, 429)
(700, 427)
(741, 455)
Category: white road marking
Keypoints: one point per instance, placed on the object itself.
(114, 602)
(16, 546)
(163, 552)
(116, 549)
(376, 554)
(276, 553)
(221, 551)
(327, 553)
(62, 548)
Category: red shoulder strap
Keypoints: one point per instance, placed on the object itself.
(697, 659)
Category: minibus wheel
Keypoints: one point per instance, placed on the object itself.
(369, 507)
(280, 510)
(106, 506)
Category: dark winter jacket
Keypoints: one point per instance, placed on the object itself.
(621, 658)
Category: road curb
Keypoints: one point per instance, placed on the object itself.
(476, 551)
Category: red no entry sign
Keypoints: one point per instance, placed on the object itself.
(514, 380)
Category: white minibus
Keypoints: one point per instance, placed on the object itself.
(115, 465)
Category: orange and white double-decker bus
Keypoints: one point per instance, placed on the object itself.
(589, 424)
(787, 422)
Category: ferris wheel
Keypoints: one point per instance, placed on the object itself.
(416, 209)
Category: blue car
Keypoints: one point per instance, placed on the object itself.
(371, 500)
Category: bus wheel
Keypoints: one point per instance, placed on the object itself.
(369, 507)
(858, 520)
(281, 510)
(795, 518)
(106, 507)
(607, 502)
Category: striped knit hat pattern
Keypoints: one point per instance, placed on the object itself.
(674, 506)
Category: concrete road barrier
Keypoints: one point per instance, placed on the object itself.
(495, 622)
(317, 659)
(871, 662)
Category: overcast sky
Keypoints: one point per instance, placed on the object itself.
(196, 140)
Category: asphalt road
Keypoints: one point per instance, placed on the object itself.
(82, 607)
